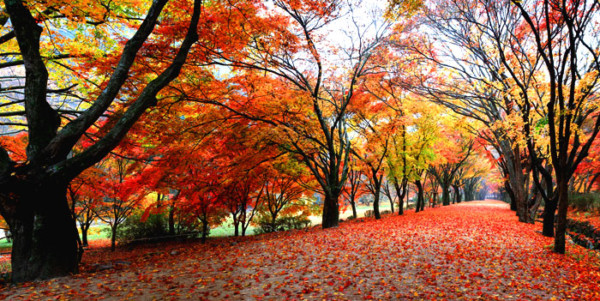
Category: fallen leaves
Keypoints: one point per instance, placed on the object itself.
(467, 251)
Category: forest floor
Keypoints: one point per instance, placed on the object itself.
(474, 250)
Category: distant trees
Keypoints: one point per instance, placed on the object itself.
(528, 71)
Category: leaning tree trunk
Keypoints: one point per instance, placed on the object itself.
(45, 238)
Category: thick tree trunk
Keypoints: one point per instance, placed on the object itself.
(549, 212)
(456, 193)
(562, 190)
(45, 237)
(331, 211)
(445, 195)
(354, 213)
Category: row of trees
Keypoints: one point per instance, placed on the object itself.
(528, 71)
(224, 104)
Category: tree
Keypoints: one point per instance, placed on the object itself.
(37, 253)
(294, 55)
(121, 192)
(355, 187)
(563, 35)
(445, 175)
(471, 83)
(283, 190)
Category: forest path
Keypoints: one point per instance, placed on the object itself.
(466, 251)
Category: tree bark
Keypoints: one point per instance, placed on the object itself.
(561, 222)
(548, 222)
(204, 222)
(376, 212)
(45, 238)
(420, 196)
(331, 211)
(171, 219)
(113, 237)
(457, 193)
(84, 234)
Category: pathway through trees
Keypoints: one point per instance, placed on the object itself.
(465, 251)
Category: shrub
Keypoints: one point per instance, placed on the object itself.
(369, 213)
(154, 229)
(584, 234)
(281, 224)
(585, 201)
(134, 229)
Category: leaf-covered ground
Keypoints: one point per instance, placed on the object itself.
(467, 251)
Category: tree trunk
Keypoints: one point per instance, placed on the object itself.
(204, 229)
(420, 198)
(376, 212)
(236, 228)
(445, 195)
(331, 210)
(457, 193)
(392, 205)
(549, 212)
(400, 192)
(562, 190)
(113, 237)
(84, 233)
(171, 220)
(45, 237)
(354, 213)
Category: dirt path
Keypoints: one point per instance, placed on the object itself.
(467, 251)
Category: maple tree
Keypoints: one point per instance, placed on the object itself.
(83, 200)
(283, 190)
(121, 191)
(295, 59)
(354, 188)
(36, 253)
